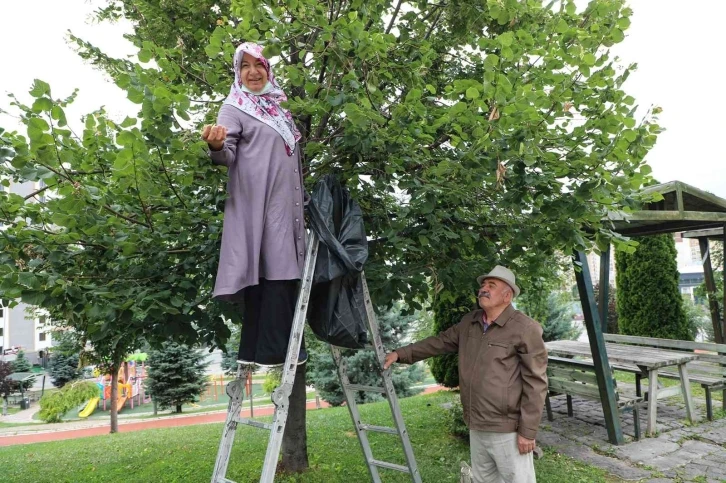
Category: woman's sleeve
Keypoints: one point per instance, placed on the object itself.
(228, 117)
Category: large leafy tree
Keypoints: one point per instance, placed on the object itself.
(469, 131)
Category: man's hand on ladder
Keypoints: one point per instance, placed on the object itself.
(391, 357)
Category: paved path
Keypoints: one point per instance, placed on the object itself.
(79, 429)
(680, 453)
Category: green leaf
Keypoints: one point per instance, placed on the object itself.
(144, 55)
(59, 115)
(472, 93)
(562, 26)
(630, 135)
(28, 280)
(431, 88)
(40, 88)
(413, 95)
(589, 59)
(271, 50)
(617, 35)
(506, 39)
(42, 104)
(128, 249)
(128, 122)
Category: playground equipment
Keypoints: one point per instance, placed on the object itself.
(130, 386)
(211, 387)
(92, 404)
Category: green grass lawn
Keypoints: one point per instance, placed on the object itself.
(187, 454)
(208, 403)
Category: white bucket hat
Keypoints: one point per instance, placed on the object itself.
(501, 273)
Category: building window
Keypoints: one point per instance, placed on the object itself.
(1, 331)
(41, 337)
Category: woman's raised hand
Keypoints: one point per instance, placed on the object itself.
(214, 135)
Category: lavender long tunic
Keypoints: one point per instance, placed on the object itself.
(263, 235)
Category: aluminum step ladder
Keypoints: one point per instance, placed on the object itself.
(281, 395)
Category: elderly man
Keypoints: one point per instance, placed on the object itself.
(502, 377)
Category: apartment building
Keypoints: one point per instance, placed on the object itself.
(22, 326)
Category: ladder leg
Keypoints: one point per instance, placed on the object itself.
(281, 395)
(388, 385)
(341, 364)
(235, 391)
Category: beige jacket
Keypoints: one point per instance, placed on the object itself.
(502, 373)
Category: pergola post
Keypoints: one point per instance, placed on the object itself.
(723, 321)
(597, 347)
(711, 288)
(604, 295)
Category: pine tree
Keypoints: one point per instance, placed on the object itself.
(557, 320)
(648, 299)
(447, 313)
(64, 369)
(176, 375)
(362, 365)
(22, 364)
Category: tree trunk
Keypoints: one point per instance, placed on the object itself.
(5, 406)
(295, 440)
(114, 398)
(178, 408)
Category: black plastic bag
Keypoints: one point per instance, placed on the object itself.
(337, 309)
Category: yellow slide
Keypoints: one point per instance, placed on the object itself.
(90, 407)
(120, 402)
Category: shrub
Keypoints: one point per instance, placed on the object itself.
(455, 421)
(53, 405)
(447, 313)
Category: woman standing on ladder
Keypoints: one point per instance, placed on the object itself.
(263, 240)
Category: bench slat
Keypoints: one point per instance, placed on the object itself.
(666, 343)
(571, 374)
(575, 388)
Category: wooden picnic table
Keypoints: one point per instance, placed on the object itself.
(648, 360)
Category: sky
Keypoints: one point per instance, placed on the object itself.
(677, 45)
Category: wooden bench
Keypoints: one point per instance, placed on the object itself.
(709, 371)
(577, 378)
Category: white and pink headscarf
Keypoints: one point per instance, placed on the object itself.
(265, 105)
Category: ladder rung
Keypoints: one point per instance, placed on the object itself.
(360, 387)
(224, 480)
(256, 424)
(390, 466)
(377, 429)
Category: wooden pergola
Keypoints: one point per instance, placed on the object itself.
(683, 208)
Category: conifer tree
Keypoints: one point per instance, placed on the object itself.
(64, 369)
(648, 299)
(176, 375)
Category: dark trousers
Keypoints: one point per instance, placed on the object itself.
(267, 321)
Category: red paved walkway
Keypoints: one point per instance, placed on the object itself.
(218, 417)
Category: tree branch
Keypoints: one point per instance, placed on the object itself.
(393, 17)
